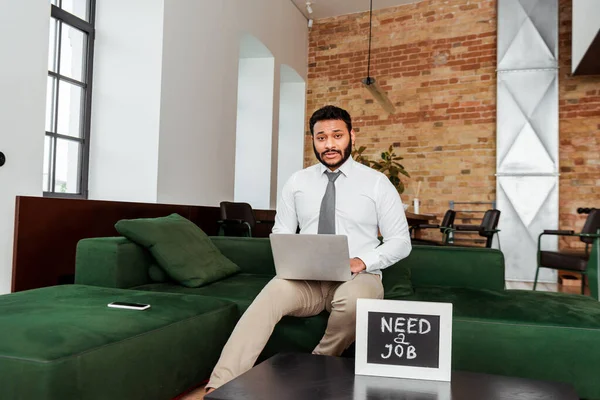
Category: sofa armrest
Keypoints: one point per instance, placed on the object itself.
(465, 267)
(114, 262)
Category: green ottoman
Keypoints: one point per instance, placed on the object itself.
(63, 342)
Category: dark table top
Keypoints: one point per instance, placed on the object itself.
(310, 377)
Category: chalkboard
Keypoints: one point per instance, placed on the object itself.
(404, 339)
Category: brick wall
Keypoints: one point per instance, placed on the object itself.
(436, 60)
(579, 108)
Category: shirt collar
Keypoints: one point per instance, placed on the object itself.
(345, 168)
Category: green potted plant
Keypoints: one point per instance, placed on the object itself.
(388, 165)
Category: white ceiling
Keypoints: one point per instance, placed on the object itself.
(333, 8)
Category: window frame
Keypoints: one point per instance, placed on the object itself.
(84, 140)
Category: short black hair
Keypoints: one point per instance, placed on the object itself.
(330, 112)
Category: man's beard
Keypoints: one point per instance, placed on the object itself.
(345, 156)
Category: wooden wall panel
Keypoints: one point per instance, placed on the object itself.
(47, 231)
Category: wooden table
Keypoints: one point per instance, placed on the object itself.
(416, 219)
(306, 376)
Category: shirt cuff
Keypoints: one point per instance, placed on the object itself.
(371, 260)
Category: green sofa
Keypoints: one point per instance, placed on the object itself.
(538, 335)
(63, 342)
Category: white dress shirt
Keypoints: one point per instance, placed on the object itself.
(366, 204)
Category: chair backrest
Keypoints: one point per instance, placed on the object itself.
(243, 211)
(592, 224)
(488, 224)
(448, 220)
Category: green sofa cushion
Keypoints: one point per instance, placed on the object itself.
(240, 289)
(182, 249)
(516, 306)
(291, 334)
(397, 282)
(63, 342)
(537, 335)
(157, 274)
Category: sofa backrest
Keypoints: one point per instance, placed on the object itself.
(252, 255)
(477, 268)
(466, 267)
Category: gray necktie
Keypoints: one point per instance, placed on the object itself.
(327, 213)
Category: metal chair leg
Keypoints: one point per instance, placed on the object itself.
(537, 271)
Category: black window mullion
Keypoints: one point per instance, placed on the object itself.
(53, 180)
(71, 19)
(57, 81)
(65, 137)
(49, 178)
(87, 109)
(67, 79)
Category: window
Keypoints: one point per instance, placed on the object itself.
(68, 98)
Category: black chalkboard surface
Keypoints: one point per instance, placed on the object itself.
(410, 340)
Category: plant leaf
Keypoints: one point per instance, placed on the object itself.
(401, 187)
(403, 172)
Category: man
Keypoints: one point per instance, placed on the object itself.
(337, 196)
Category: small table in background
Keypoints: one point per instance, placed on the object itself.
(306, 376)
(416, 219)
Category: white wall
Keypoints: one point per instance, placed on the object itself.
(126, 100)
(23, 72)
(292, 108)
(201, 42)
(586, 24)
(254, 132)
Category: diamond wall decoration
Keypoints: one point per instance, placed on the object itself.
(527, 131)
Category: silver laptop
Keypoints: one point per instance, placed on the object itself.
(311, 257)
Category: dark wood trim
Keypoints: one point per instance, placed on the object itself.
(47, 231)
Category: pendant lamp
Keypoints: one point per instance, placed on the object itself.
(370, 83)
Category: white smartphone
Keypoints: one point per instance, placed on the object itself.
(129, 306)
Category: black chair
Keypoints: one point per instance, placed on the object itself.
(237, 219)
(447, 222)
(486, 229)
(575, 261)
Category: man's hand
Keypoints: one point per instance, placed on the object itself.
(357, 265)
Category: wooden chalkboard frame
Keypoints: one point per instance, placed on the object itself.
(443, 310)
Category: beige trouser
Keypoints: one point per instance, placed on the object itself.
(282, 297)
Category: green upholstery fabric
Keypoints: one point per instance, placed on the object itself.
(156, 274)
(252, 255)
(397, 282)
(476, 268)
(114, 262)
(538, 335)
(516, 306)
(63, 342)
(240, 289)
(291, 334)
(180, 247)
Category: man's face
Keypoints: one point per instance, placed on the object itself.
(332, 142)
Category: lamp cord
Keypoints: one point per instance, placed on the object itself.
(369, 58)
